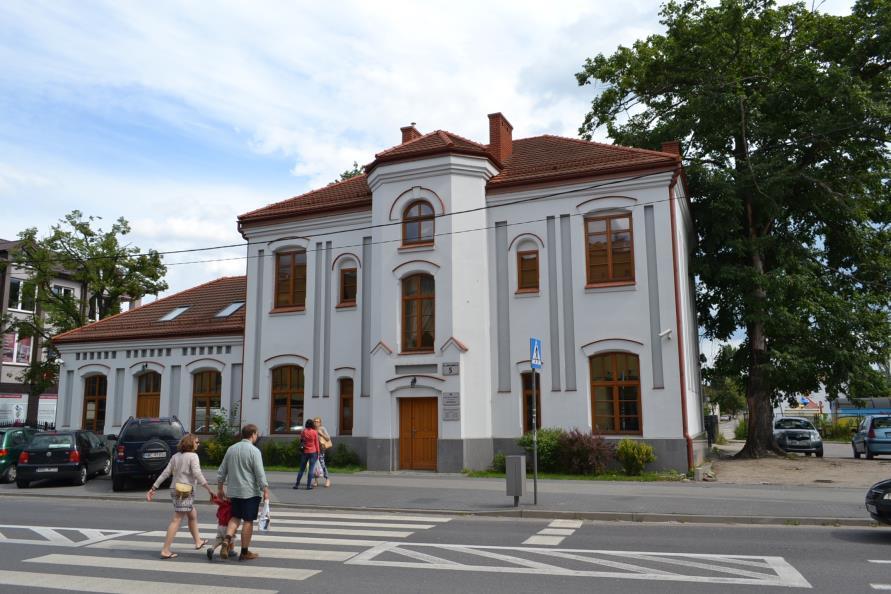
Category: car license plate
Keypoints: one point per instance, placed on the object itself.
(871, 508)
(48, 469)
(154, 455)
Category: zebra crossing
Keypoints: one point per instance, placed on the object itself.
(295, 548)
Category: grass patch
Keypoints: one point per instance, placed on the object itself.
(645, 477)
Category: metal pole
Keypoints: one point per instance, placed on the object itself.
(534, 438)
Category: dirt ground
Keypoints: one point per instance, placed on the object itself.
(800, 470)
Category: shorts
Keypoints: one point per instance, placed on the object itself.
(181, 504)
(246, 509)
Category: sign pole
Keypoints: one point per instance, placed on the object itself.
(534, 438)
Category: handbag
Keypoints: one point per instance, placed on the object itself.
(182, 490)
(325, 442)
(317, 471)
(263, 519)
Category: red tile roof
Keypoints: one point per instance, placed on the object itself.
(203, 301)
(539, 159)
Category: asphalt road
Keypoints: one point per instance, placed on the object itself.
(51, 544)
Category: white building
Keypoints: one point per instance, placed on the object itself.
(398, 304)
(178, 356)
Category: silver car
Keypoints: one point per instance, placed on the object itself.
(796, 434)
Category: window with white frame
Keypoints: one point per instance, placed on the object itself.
(65, 292)
(22, 294)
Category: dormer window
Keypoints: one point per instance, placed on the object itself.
(173, 313)
(418, 224)
(230, 309)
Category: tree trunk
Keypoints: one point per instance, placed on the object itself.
(34, 399)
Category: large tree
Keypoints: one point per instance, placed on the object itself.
(107, 270)
(785, 121)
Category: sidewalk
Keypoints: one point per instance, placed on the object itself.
(656, 501)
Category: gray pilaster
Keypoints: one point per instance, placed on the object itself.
(176, 373)
(553, 305)
(119, 375)
(69, 394)
(317, 321)
(326, 363)
(258, 323)
(235, 390)
(365, 297)
(502, 306)
(568, 314)
(653, 290)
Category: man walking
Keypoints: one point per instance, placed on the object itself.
(242, 472)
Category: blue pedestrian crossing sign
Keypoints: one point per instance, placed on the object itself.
(535, 353)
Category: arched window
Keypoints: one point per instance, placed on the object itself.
(418, 312)
(417, 223)
(290, 279)
(615, 393)
(287, 399)
(95, 388)
(527, 271)
(206, 401)
(148, 394)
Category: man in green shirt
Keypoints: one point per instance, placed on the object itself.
(243, 474)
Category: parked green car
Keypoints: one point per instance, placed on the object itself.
(12, 441)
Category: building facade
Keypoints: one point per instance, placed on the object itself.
(398, 305)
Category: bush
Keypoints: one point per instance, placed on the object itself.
(499, 463)
(838, 431)
(634, 456)
(342, 455)
(212, 451)
(585, 453)
(742, 429)
(548, 448)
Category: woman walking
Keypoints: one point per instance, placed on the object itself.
(185, 470)
(325, 444)
(310, 455)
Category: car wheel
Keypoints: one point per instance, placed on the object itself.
(10, 475)
(106, 468)
(117, 483)
(81, 477)
(820, 453)
(22, 484)
(869, 455)
(856, 453)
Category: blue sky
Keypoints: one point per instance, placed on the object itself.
(181, 115)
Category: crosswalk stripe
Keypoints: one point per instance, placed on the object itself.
(81, 583)
(537, 539)
(314, 522)
(880, 586)
(390, 517)
(176, 566)
(336, 531)
(556, 531)
(565, 524)
(265, 552)
(879, 561)
(282, 539)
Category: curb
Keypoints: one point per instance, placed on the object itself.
(535, 514)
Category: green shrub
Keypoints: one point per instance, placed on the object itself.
(213, 451)
(742, 429)
(634, 456)
(548, 448)
(341, 455)
(585, 453)
(840, 430)
(499, 463)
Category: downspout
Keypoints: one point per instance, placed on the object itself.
(682, 363)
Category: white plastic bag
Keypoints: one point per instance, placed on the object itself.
(263, 519)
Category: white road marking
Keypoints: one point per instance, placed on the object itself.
(556, 531)
(880, 586)
(537, 539)
(389, 517)
(273, 528)
(565, 524)
(167, 567)
(79, 583)
(778, 572)
(283, 539)
(53, 536)
(265, 552)
(879, 561)
(314, 522)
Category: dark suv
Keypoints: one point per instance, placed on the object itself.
(143, 448)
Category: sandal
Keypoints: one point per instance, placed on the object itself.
(170, 556)
(202, 545)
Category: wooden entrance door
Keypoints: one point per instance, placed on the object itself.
(418, 432)
(148, 395)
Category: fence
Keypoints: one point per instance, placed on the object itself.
(38, 426)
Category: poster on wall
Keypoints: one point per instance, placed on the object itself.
(14, 408)
(7, 350)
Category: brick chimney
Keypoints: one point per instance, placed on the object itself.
(409, 133)
(672, 146)
(500, 136)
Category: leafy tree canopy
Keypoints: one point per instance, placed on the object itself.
(784, 115)
(352, 172)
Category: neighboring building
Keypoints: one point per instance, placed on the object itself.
(180, 355)
(398, 304)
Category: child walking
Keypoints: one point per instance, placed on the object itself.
(224, 514)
